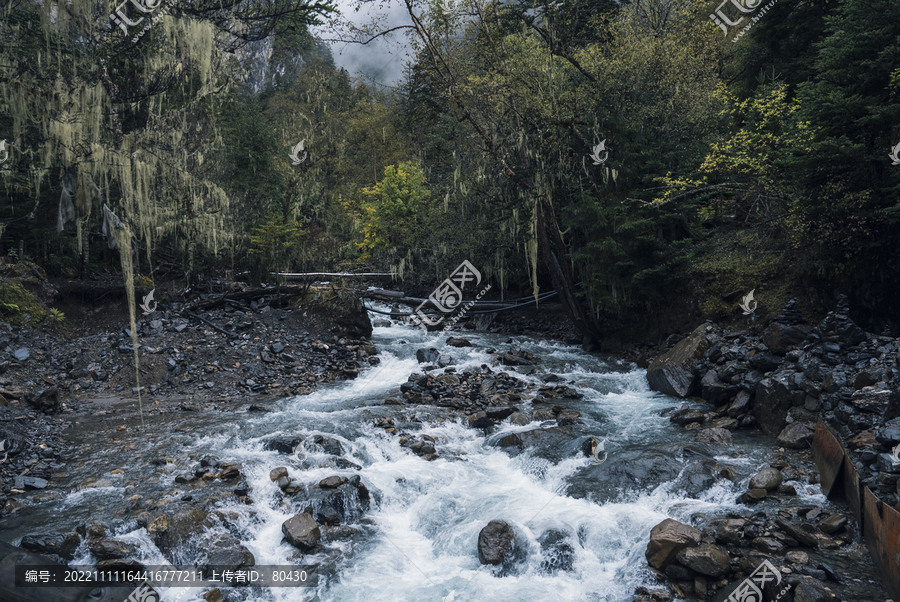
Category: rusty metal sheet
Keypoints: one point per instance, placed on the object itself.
(882, 534)
(853, 491)
(828, 454)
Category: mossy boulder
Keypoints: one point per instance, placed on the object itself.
(19, 306)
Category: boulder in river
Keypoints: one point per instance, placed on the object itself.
(714, 436)
(772, 401)
(675, 371)
(428, 356)
(706, 559)
(495, 542)
(767, 478)
(301, 531)
(667, 539)
(224, 551)
(60, 544)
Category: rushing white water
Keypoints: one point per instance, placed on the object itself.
(418, 541)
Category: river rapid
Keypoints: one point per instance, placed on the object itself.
(418, 539)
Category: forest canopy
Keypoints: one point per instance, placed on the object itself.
(486, 150)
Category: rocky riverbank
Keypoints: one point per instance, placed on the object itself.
(781, 381)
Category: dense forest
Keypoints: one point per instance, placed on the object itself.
(622, 153)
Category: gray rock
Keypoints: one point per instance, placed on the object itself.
(674, 372)
(767, 545)
(781, 338)
(707, 559)
(106, 549)
(833, 523)
(519, 418)
(224, 551)
(63, 545)
(444, 360)
(807, 539)
(796, 436)
(495, 542)
(301, 531)
(714, 436)
(22, 354)
(767, 478)
(885, 463)
(771, 404)
(740, 404)
(277, 473)
(458, 342)
(427, 356)
(811, 592)
(731, 530)
(667, 540)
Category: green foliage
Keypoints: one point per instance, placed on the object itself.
(392, 210)
(275, 241)
(20, 306)
(57, 316)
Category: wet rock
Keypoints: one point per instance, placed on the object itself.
(797, 557)
(332, 482)
(767, 545)
(674, 372)
(184, 526)
(772, 401)
(445, 360)
(427, 356)
(106, 549)
(686, 416)
(730, 531)
(558, 553)
(807, 539)
(60, 544)
(833, 523)
(278, 473)
(519, 418)
(495, 542)
(767, 478)
(752, 496)
(781, 338)
(676, 572)
(458, 342)
(667, 539)
(706, 559)
(714, 436)
(301, 531)
(627, 470)
(224, 551)
(29, 483)
(45, 400)
(796, 436)
(811, 592)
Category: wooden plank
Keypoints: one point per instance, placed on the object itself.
(882, 535)
(828, 454)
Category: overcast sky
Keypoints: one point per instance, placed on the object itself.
(382, 59)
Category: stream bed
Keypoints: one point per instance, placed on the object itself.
(578, 538)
